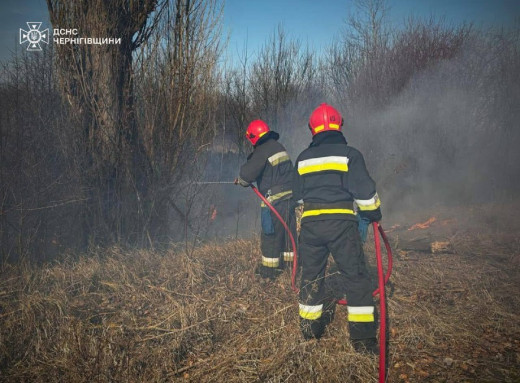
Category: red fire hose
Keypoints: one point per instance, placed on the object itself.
(379, 229)
(382, 279)
(293, 243)
(382, 300)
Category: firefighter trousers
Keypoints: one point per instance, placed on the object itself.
(276, 246)
(341, 239)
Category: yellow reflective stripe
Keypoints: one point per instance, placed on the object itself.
(338, 163)
(309, 213)
(278, 158)
(319, 128)
(277, 196)
(310, 316)
(374, 206)
(360, 317)
(310, 312)
(261, 134)
(270, 262)
(368, 204)
(288, 255)
(323, 167)
(360, 313)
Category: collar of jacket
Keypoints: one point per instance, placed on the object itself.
(328, 137)
(270, 134)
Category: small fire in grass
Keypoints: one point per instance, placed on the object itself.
(423, 225)
(441, 247)
(213, 211)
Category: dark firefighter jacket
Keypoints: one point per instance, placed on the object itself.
(329, 177)
(270, 166)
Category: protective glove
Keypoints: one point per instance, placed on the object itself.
(241, 182)
(363, 227)
(371, 215)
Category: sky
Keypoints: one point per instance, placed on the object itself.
(319, 22)
(314, 22)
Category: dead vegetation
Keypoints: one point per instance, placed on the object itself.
(141, 316)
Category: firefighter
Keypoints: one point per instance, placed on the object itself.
(271, 168)
(329, 178)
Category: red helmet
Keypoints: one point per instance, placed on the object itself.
(324, 118)
(255, 130)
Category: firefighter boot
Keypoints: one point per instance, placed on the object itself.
(268, 272)
(366, 346)
(312, 328)
(329, 309)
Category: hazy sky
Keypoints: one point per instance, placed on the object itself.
(319, 22)
(316, 22)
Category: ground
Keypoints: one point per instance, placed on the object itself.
(204, 316)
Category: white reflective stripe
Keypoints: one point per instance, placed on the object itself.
(368, 204)
(370, 201)
(360, 309)
(311, 309)
(270, 262)
(311, 312)
(330, 163)
(323, 160)
(288, 255)
(275, 159)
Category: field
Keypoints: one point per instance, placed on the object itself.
(157, 316)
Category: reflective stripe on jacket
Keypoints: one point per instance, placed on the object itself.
(270, 167)
(330, 176)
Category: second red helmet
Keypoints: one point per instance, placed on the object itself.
(255, 130)
(323, 118)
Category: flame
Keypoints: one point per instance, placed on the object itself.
(213, 213)
(423, 225)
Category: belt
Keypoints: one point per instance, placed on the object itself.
(277, 193)
(314, 209)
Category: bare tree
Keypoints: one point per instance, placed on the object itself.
(177, 75)
(279, 76)
(357, 56)
(97, 82)
(237, 99)
(35, 191)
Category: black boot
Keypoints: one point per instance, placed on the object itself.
(268, 272)
(329, 309)
(311, 328)
(368, 346)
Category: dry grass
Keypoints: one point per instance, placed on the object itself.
(141, 316)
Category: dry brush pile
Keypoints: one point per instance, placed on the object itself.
(143, 316)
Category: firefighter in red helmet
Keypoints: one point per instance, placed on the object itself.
(271, 168)
(330, 179)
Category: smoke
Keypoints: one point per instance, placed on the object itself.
(449, 136)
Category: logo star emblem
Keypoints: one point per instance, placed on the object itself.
(34, 36)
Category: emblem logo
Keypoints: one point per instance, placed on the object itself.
(34, 36)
